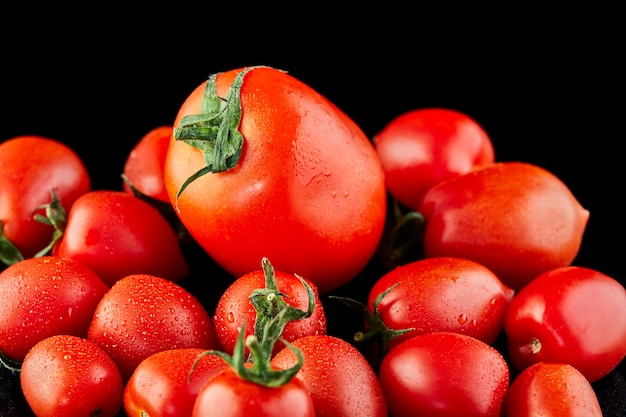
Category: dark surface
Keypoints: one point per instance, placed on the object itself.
(547, 89)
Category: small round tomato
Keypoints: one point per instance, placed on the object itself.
(145, 163)
(423, 147)
(31, 167)
(65, 375)
(164, 385)
(260, 164)
(339, 378)
(515, 218)
(444, 374)
(551, 390)
(571, 314)
(117, 234)
(143, 314)
(42, 297)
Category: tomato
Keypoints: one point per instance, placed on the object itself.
(339, 378)
(438, 294)
(574, 315)
(298, 181)
(162, 385)
(515, 218)
(117, 234)
(274, 289)
(551, 390)
(65, 375)
(41, 297)
(444, 374)
(425, 146)
(145, 163)
(31, 167)
(144, 314)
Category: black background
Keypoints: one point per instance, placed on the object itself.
(547, 85)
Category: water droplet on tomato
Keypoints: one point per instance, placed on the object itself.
(462, 318)
(230, 317)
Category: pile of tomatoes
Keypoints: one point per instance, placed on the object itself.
(262, 256)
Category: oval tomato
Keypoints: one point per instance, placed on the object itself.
(423, 147)
(143, 314)
(551, 390)
(42, 297)
(299, 183)
(65, 375)
(444, 374)
(31, 167)
(339, 378)
(573, 315)
(117, 234)
(161, 385)
(515, 218)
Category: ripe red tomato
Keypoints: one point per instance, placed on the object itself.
(30, 168)
(340, 380)
(143, 314)
(573, 315)
(162, 386)
(235, 305)
(145, 163)
(551, 390)
(444, 374)
(441, 294)
(423, 147)
(41, 297)
(65, 375)
(515, 218)
(299, 181)
(117, 234)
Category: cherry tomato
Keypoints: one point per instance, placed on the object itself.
(41, 297)
(145, 163)
(551, 390)
(288, 176)
(423, 147)
(574, 315)
(163, 386)
(444, 374)
(31, 167)
(144, 314)
(339, 378)
(515, 218)
(117, 234)
(65, 375)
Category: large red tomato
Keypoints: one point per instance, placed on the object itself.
(515, 218)
(287, 176)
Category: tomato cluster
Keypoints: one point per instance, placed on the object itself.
(262, 256)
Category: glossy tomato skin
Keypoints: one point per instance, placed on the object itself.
(442, 294)
(425, 146)
(551, 390)
(228, 395)
(444, 374)
(30, 168)
(340, 380)
(308, 191)
(516, 218)
(234, 306)
(144, 314)
(65, 375)
(117, 234)
(145, 163)
(574, 315)
(159, 387)
(41, 297)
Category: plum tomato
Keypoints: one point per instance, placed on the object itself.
(425, 146)
(262, 165)
(572, 314)
(515, 218)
